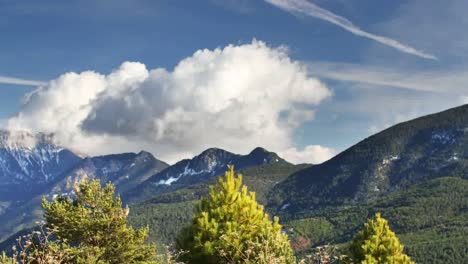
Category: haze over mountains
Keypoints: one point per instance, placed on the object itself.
(414, 172)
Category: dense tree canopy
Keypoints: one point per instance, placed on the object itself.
(377, 244)
(231, 227)
(95, 222)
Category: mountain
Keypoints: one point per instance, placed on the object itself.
(135, 172)
(211, 162)
(406, 154)
(125, 171)
(168, 212)
(29, 163)
(33, 166)
(413, 173)
(430, 219)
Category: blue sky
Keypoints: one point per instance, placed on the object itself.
(373, 84)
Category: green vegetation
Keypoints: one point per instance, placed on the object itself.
(165, 220)
(376, 243)
(429, 218)
(174, 210)
(4, 259)
(231, 227)
(90, 228)
(96, 223)
(399, 157)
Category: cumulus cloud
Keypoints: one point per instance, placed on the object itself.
(314, 154)
(310, 9)
(236, 98)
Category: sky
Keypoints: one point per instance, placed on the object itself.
(304, 78)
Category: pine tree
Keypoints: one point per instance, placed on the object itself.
(96, 224)
(4, 259)
(377, 244)
(231, 227)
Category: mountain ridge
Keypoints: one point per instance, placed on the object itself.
(209, 163)
(127, 171)
(410, 152)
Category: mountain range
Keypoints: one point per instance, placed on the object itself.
(415, 173)
(211, 162)
(33, 166)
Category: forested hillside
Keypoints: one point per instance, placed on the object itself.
(174, 210)
(406, 154)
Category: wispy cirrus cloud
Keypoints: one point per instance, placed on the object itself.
(313, 10)
(18, 81)
(438, 81)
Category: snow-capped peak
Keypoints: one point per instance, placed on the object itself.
(33, 158)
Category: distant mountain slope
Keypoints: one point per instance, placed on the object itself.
(408, 153)
(166, 213)
(211, 162)
(430, 218)
(29, 163)
(32, 166)
(125, 171)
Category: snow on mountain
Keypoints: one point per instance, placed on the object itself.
(32, 166)
(31, 161)
(211, 162)
(125, 171)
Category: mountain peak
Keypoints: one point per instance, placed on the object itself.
(209, 163)
(23, 139)
(212, 152)
(145, 155)
(259, 150)
(28, 161)
(261, 155)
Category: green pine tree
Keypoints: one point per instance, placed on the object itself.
(231, 227)
(95, 223)
(4, 259)
(377, 244)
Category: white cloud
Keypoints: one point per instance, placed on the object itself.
(17, 81)
(464, 100)
(235, 98)
(310, 9)
(3, 123)
(440, 81)
(314, 154)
